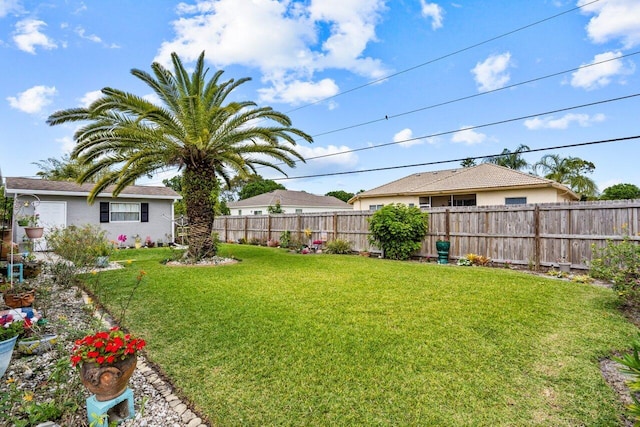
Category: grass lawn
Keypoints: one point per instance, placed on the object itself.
(288, 339)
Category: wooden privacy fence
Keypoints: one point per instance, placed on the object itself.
(534, 235)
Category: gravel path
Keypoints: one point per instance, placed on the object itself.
(156, 404)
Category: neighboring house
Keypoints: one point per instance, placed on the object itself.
(289, 201)
(138, 210)
(482, 185)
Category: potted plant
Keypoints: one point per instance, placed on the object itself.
(10, 329)
(122, 238)
(18, 295)
(564, 265)
(32, 340)
(33, 229)
(106, 361)
(148, 242)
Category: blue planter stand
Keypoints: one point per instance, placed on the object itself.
(117, 409)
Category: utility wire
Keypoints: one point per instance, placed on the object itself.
(557, 147)
(529, 116)
(464, 98)
(431, 61)
(621, 98)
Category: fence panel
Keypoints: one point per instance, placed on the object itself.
(523, 234)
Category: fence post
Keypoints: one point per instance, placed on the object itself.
(335, 225)
(269, 227)
(246, 228)
(536, 238)
(447, 224)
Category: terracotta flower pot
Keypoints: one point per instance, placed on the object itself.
(15, 299)
(34, 232)
(109, 380)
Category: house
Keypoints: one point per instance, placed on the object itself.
(482, 185)
(289, 201)
(138, 210)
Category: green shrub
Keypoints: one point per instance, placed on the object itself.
(631, 363)
(619, 263)
(338, 246)
(78, 244)
(285, 239)
(398, 230)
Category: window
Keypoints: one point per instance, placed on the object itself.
(239, 211)
(412, 205)
(374, 208)
(257, 212)
(515, 201)
(298, 210)
(124, 212)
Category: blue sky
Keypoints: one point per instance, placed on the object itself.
(353, 73)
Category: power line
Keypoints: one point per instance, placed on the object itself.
(621, 98)
(478, 126)
(431, 61)
(464, 98)
(557, 147)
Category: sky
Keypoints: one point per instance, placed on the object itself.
(386, 88)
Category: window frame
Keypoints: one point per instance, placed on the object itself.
(112, 212)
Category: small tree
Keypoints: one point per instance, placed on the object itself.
(341, 195)
(621, 192)
(398, 230)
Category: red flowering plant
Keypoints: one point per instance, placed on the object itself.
(105, 347)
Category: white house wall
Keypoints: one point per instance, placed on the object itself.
(80, 213)
(286, 209)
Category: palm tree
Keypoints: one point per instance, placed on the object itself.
(510, 159)
(569, 171)
(468, 162)
(192, 129)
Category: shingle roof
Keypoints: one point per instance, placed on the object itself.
(290, 198)
(483, 177)
(18, 185)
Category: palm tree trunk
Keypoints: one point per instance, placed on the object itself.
(199, 190)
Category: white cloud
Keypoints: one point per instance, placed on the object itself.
(91, 37)
(564, 122)
(433, 11)
(404, 138)
(27, 36)
(614, 19)
(600, 75)
(492, 73)
(468, 136)
(297, 92)
(288, 41)
(153, 98)
(347, 159)
(67, 144)
(32, 100)
(8, 6)
(90, 97)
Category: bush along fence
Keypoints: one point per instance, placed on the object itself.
(537, 235)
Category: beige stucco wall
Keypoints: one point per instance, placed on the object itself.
(363, 204)
(536, 195)
(488, 198)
